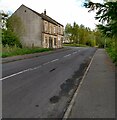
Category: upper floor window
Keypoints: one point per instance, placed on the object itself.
(46, 26)
(49, 27)
(62, 30)
(54, 29)
(46, 41)
(59, 29)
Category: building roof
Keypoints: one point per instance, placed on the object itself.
(44, 16)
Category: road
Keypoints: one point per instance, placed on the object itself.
(42, 87)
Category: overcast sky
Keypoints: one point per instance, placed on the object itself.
(63, 11)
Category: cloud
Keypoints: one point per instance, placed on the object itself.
(64, 11)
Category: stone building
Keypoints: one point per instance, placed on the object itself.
(40, 29)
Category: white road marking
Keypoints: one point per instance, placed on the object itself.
(30, 69)
(35, 68)
(74, 52)
(69, 109)
(54, 60)
(46, 63)
(14, 74)
(67, 55)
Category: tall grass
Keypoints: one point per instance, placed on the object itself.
(74, 45)
(112, 51)
(13, 51)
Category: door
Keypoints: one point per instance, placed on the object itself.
(50, 42)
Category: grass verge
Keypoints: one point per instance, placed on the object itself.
(14, 51)
(75, 45)
(113, 54)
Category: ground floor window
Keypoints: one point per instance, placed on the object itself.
(55, 41)
(46, 41)
(50, 42)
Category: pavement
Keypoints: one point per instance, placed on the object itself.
(95, 96)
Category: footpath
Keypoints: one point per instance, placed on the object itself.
(95, 97)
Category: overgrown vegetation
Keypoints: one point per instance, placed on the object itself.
(74, 45)
(79, 34)
(112, 52)
(14, 50)
(10, 38)
(106, 13)
(10, 25)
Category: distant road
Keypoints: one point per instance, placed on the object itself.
(41, 87)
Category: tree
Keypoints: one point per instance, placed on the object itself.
(107, 14)
(68, 32)
(80, 34)
(3, 19)
(10, 38)
(12, 29)
(14, 24)
(75, 32)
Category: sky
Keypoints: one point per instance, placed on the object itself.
(63, 11)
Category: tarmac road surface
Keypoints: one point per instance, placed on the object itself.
(41, 87)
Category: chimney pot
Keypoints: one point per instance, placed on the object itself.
(45, 11)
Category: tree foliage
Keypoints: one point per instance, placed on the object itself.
(80, 34)
(15, 25)
(3, 19)
(12, 28)
(106, 13)
(10, 38)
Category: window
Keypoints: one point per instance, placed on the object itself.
(55, 41)
(49, 27)
(46, 41)
(59, 30)
(54, 29)
(46, 27)
(61, 39)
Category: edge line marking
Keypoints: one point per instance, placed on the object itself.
(68, 110)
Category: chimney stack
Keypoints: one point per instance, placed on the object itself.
(45, 11)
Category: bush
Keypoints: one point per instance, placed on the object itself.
(112, 53)
(10, 38)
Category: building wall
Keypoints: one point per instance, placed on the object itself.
(39, 32)
(32, 25)
(53, 32)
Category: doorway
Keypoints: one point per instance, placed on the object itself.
(50, 42)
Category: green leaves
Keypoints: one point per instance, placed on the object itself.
(80, 34)
(107, 14)
(12, 29)
(10, 38)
